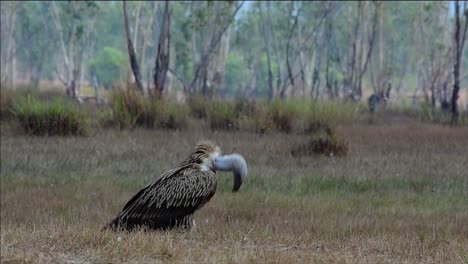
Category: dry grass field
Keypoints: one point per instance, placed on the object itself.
(399, 196)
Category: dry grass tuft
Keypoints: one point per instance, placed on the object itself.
(322, 143)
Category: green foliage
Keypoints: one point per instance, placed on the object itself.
(109, 65)
(173, 116)
(49, 119)
(198, 106)
(222, 115)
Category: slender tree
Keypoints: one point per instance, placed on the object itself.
(131, 50)
(460, 37)
(162, 58)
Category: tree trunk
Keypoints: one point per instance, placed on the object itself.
(162, 57)
(7, 71)
(131, 51)
(136, 26)
(202, 67)
(267, 39)
(275, 47)
(288, 63)
(459, 43)
(144, 46)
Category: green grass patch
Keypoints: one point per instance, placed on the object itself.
(222, 116)
(130, 109)
(49, 119)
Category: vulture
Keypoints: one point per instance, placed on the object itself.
(171, 200)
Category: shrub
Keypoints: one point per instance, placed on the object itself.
(57, 118)
(7, 98)
(198, 106)
(282, 116)
(244, 107)
(259, 121)
(221, 115)
(324, 142)
(173, 116)
(132, 109)
(323, 115)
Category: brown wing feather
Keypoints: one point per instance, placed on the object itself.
(172, 197)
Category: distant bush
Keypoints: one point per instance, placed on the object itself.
(198, 106)
(7, 98)
(244, 107)
(173, 116)
(282, 115)
(131, 109)
(57, 118)
(323, 142)
(322, 115)
(258, 120)
(222, 115)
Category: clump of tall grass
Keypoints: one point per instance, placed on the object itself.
(279, 115)
(282, 115)
(424, 112)
(322, 142)
(198, 106)
(222, 115)
(173, 116)
(130, 109)
(258, 121)
(7, 98)
(49, 119)
(323, 115)
(244, 107)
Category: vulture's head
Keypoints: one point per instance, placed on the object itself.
(208, 157)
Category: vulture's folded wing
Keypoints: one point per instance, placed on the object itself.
(170, 198)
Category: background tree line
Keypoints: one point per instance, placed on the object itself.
(321, 50)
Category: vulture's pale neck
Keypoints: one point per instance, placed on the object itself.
(235, 163)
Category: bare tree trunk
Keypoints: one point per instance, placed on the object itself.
(459, 43)
(162, 57)
(303, 83)
(68, 57)
(137, 25)
(370, 46)
(381, 77)
(275, 47)
(131, 51)
(85, 54)
(13, 65)
(267, 40)
(8, 60)
(202, 66)
(288, 63)
(144, 44)
(95, 85)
